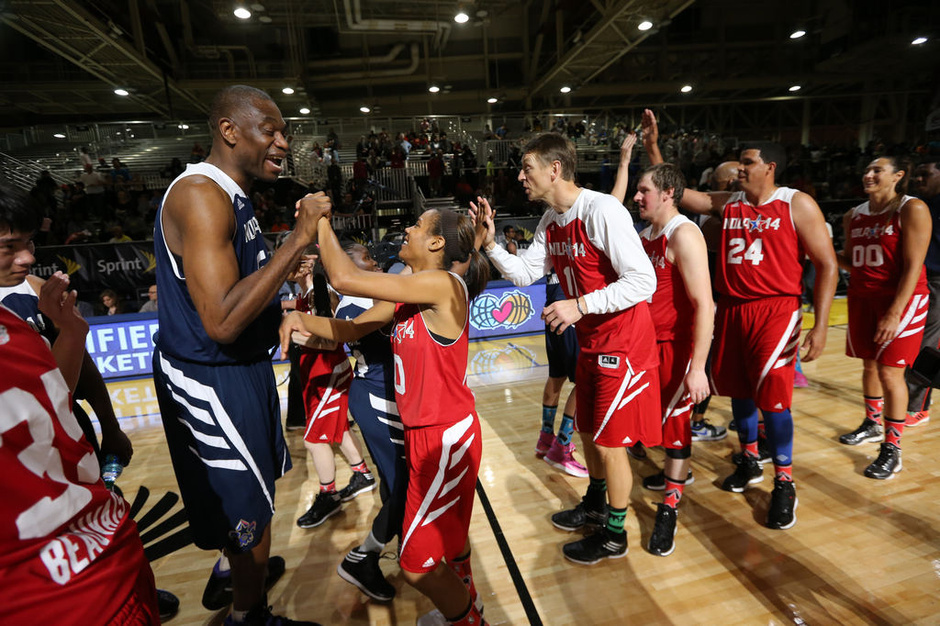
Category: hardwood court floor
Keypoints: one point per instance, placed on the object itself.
(862, 551)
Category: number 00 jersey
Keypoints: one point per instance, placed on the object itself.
(761, 255)
(874, 245)
(430, 376)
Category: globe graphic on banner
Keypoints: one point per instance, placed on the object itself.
(510, 311)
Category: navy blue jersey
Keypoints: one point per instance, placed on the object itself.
(373, 353)
(553, 291)
(24, 301)
(181, 333)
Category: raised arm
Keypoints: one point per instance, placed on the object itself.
(650, 131)
(58, 304)
(343, 331)
(623, 169)
(523, 268)
(916, 228)
(198, 222)
(691, 257)
(811, 229)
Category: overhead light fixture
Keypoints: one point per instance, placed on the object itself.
(122, 92)
(59, 136)
(365, 109)
(434, 88)
(492, 100)
(183, 126)
(565, 89)
(686, 88)
(645, 25)
(461, 17)
(304, 111)
(242, 13)
(797, 34)
(257, 7)
(918, 40)
(265, 19)
(795, 87)
(288, 91)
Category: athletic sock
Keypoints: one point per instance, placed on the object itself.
(565, 430)
(597, 493)
(750, 449)
(548, 419)
(673, 493)
(239, 616)
(780, 436)
(874, 408)
(893, 430)
(783, 472)
(371, 544)
(461, 567)
(223, 566)
(362, 468)
(615, 520)
(329, 487)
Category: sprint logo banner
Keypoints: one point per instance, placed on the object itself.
(127, 268)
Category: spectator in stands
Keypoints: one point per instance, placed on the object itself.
(404, 144)
(509, 232)
(435, 173)
(150, 306)
(111, 303)
(94, 184)
(174, 169)
(118, 235)
(487, 133)
(85, 157)
(397, 160)
(119, 172)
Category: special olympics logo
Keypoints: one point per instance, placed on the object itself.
(512, 310)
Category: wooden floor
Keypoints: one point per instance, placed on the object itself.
(862, 551)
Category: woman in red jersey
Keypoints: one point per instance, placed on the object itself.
(886, 241)
(442, 431)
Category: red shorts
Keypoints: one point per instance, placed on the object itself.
(864, 313)
(754, 351)
(619, 406)
(326, 378)
(140, 607)
(674, 359)
(443, 463)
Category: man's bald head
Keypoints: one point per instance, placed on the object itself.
(232, 99)
(725, 176)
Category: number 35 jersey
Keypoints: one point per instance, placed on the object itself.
(761, 255)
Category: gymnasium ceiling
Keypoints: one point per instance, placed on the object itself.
(62, 59)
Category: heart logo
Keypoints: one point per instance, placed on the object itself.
(502, 313)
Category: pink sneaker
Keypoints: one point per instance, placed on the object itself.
(544, 443)
(799, 380)
(560, 456)
(916, 418)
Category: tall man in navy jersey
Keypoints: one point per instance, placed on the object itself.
(218, 320)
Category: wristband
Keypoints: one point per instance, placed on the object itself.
(577, 302)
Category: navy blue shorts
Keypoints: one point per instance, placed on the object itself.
(562, 351)
(223, 428)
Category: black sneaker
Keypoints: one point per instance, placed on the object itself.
(783, 501)
(662, 541)
(218, 592)
(764, 455)
(360, 482)
(603, 544)
(362, 570)
(657, 482)
(262, 616)
(637, 451)
(869, 432)
(887, 464)
(579, 516)
(748, 472)
(733, 425)
(703, 430)
(324, 506)
(168, 604)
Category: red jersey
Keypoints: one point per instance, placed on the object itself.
(761, 255)
(69, 551)
(874, 245)
(584, 267)
(671, 308)
(430, 376)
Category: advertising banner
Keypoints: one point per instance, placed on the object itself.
(127, 268)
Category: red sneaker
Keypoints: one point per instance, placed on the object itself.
(916, 418)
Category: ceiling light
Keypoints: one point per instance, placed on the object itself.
(304, 111)
(686, 88)
(645, 25)
(797, 34)
(364, 109)
(919, 40)
(795, 87)
(242, 13)
(288, 91)
(121, 92)
(434, 88)
(492, 100)
(565, 89)
(265, 19)
(59, 136)
(461, 17)
(257, 7)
